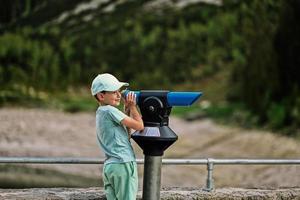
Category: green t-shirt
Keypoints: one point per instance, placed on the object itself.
(112, 136)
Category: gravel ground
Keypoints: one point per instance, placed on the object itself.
(37, 132)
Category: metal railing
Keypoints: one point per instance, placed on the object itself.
(209, 162)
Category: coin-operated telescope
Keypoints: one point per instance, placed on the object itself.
(155, 107)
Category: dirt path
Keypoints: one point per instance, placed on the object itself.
(35, 132)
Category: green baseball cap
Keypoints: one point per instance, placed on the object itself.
(106, 82)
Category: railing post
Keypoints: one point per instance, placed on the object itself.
(209, 180)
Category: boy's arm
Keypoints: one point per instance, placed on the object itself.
(134, 119)
(127, 112)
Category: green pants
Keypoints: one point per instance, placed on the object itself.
(120, 181)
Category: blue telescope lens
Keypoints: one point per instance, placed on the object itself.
(182, 98)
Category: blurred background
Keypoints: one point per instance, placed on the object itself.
(241, 54)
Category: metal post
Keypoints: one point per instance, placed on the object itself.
(209, 180)
(152, 173)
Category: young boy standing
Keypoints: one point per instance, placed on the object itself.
(120, 177)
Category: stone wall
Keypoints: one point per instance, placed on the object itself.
(166, 194)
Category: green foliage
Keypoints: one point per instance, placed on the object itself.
(184, 112)
(266, 79)
(78, 104)
(231, 114)
(276, 115)
(27, 62)
(21, 96)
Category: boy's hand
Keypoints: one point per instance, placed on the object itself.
(130, 100)
(134, 119)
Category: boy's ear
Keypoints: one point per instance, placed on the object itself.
(100, 96)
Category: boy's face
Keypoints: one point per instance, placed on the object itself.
(110, 98)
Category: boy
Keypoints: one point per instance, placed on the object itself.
(120, 170)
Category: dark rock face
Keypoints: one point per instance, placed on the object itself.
(166, 194)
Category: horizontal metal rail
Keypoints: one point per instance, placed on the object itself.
(209, 162)
(84, 160)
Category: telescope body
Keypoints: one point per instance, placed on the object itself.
(155, 107)
(173, 98)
